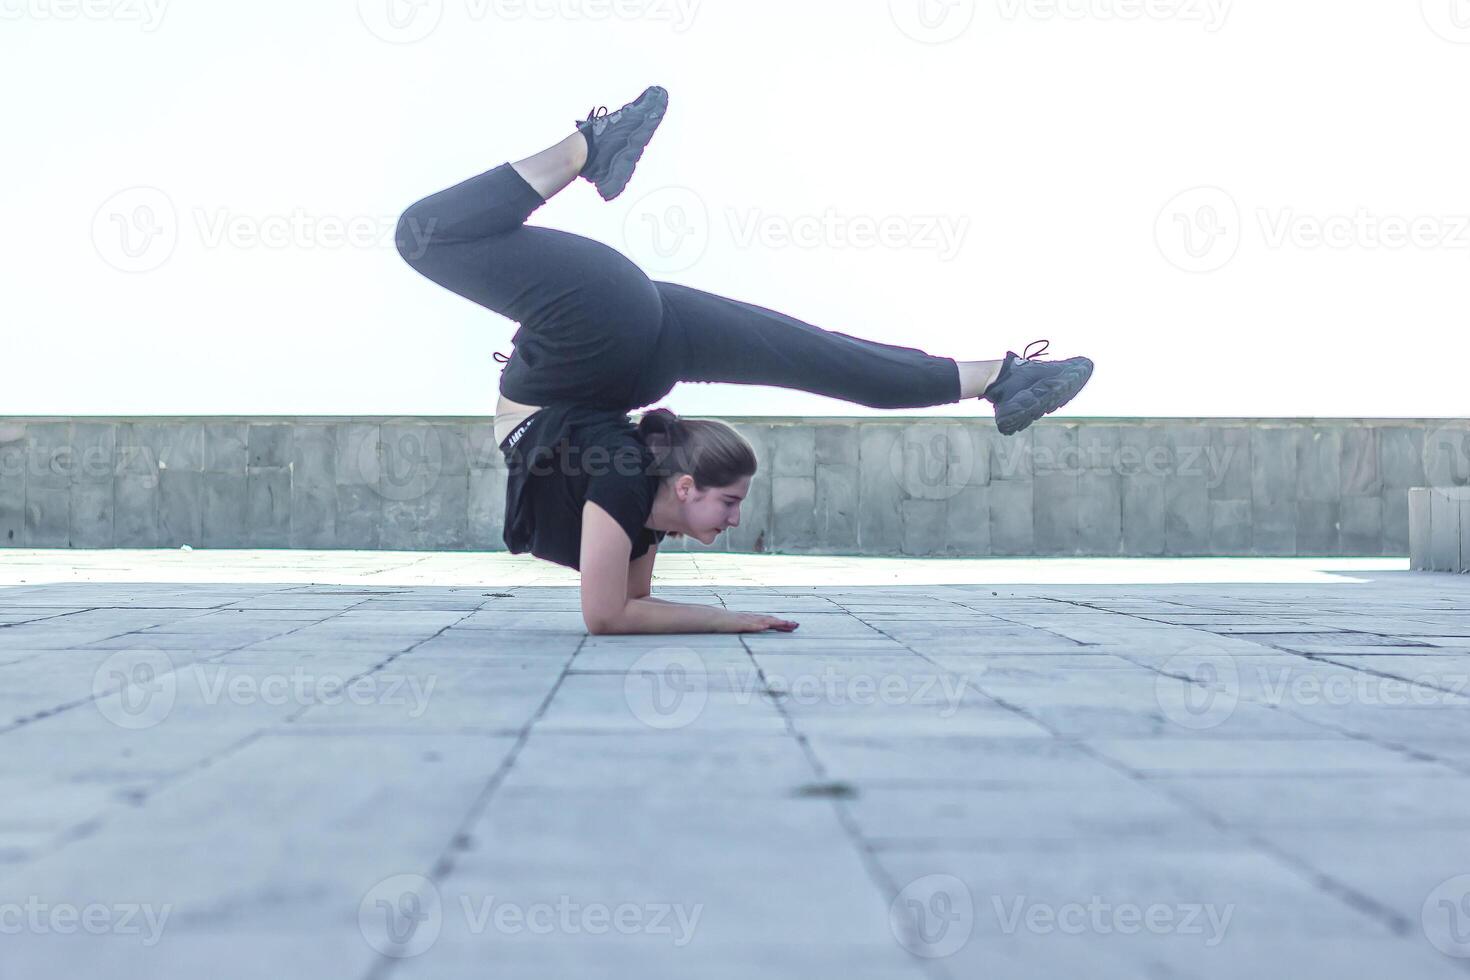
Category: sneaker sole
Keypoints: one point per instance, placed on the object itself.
(625, 158)
(1044, 397)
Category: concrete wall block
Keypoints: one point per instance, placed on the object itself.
(837, 505)
(94, 455)
(1054, 447)
(1401, 456)
(1318, 524)
(1148, 449)
(355, 461)
(1230, 527)
(312, 488)
(880, 525)
(1012, 520)
(92, 515)
(1444, 531)
(1319, 463)
(795, 451)
(1189, 451)
(224, 510)
(836, 445)
(1099, 448)
(754, 533)
(437, 517)
(1143, 514)
(967, 523)
(1186, 516)
(1360, 473)
(225, 447)
(1011, 457)
(931, 460)
(1274, 459)
(482, 448)
(48, 456)
(359, 519)
(486, 506)
(1362, 526)
(1100, 513)
(1464, 507)
(13, 459)
(1419, 529)
(1395, 521)
(135, 457)
(47, 517)
(179, 508)
(1447, 455)
(793, 510)
(1228, 463)
(269, 444)
(1055, 512)
(1186, 490)
(135, 511)
(178, 446)
(924, 529)
(415, 456)
(268, 509)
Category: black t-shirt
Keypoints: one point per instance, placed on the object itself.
(560, 457)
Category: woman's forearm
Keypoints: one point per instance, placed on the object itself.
(650, 615)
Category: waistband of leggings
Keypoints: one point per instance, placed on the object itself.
(508, 443)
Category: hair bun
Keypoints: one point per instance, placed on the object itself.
(658, 421)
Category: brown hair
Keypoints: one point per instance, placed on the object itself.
(710, 451)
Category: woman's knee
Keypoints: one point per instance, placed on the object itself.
(413, 233)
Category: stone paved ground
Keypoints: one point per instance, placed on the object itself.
(351, 764)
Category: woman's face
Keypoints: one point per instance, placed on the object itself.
(708, 512)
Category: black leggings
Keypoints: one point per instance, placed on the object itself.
(594, 330)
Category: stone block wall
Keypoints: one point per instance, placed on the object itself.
(897, 485)
(1439, 529)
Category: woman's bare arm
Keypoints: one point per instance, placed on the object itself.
(606, 583)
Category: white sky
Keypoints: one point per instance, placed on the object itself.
(1029, 170)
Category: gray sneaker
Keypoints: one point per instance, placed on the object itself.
(1027, 389)
(615, 141)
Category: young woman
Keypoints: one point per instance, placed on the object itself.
(597, 339)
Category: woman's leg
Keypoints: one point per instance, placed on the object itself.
(732, 341)
(587, 314)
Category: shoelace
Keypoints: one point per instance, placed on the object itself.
(1026, 355)
(500, 357)
(597, 113)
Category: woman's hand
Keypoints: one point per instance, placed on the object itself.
(756, 623)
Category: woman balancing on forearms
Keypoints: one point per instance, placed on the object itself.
(589, 489)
